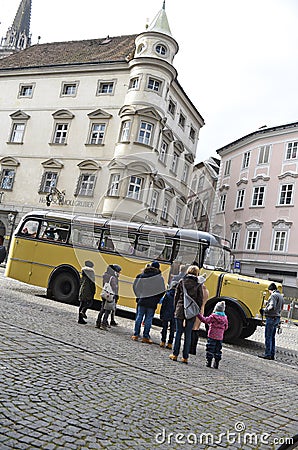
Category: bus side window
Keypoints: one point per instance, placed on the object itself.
(29, 229)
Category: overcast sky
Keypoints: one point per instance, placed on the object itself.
(237, 60)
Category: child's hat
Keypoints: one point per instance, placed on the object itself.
(220, 307)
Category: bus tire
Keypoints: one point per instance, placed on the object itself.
(65, 287)
(248, 330)
(235, 324)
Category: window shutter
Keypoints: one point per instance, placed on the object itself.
(78, 186)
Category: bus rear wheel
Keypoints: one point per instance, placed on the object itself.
(235, 324)
(65, 287)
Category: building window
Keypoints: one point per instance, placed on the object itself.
(161, 49)
(222, 202)
(163, 151)
(69, 89)
(97, 133)
(227, 168)
(165, 209)
(133, 83)
(86, 184)
(60, 134)
(240, 199)
(26, 90)
(258, 196)
(185, 173)
(145, 133)
(280, 240)
(201, 181)
(246, 158)
(172, 107)
(204, 208)
(174, 165)
(48, 182)
(182, 120)
(17, 133)
(7, 179)
(134, 188)
(196, 207)
(292, 150)
(154, 201)
(264, 154)
(252, 240)
(192, 133)
(286, 194)
(125, 131)
(114, 185)
(234, 240)
(105, 87)
(154, 84)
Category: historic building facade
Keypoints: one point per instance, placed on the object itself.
(255, 203)
(99, 126)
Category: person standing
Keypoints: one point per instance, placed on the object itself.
(149, 287)
(2, 250)
(194, 289)
(167, 316)
(218, 324)
(181, 274)
(272, 312)
(87, 290)
(110, 276)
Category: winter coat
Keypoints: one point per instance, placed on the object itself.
(149, 287)
(218, 324)
(2, 253)
(167, 307)
(193, 288)
(110, 276)
(87, 287)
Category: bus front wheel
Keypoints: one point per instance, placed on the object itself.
(235, 324)
(65, 287)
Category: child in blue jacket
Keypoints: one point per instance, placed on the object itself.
(167, 316)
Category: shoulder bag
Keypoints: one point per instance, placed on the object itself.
(191, 308)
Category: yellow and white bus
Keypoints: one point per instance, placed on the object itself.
(48, 249)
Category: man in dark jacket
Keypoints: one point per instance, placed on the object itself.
(272, 313)
(149, 287)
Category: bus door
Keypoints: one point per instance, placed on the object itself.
(24, 248)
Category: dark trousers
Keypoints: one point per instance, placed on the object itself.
(270, 332)
(84, 305)
(103, 315)
(213, 349)
(183, 327)
(165, 325)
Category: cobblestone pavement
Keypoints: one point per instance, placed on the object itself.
(69, 386)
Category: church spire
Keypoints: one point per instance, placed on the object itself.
(160, 22)
(18, 35)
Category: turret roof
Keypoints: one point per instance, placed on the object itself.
(160, 23)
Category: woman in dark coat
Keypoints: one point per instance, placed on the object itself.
(183, 325)
(87, 290)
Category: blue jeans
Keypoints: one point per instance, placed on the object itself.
(180, 329)
(147, 314)
(213, 349)
(270, 331)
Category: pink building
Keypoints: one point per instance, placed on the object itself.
(255, 203)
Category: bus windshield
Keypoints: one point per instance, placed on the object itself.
(217, 258)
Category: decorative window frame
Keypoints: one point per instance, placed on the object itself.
(280, 226)
(88, 168)
(24, 86)
(61, 117)
(285, 204)
(114, 185)
(66, 84)
(291, 153)
(98, 117)
(8, 164)
(159, 80)
(162, 46)
(18, 118)
(50, 166)
(253, 226)
(136, 79)
(102, 82)
(259, 195)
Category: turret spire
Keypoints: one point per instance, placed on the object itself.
(18, 35)
(160, 22)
